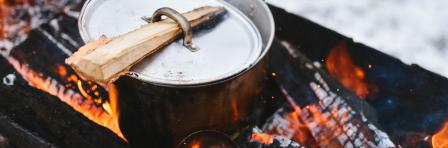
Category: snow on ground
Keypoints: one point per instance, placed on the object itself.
(415, 31)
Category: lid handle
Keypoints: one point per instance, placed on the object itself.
(179, 19)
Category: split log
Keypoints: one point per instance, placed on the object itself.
(105, 60)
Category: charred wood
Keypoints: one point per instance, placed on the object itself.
(404, 91)
(255, 138)
(49, 118)
(54, 120)
(334, 115)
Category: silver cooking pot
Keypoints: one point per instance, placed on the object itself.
(159, 106)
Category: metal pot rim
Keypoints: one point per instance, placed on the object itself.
(265, 48)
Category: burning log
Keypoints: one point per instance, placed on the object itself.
(255, 138)
(335, 117)
(54, 120)
(96, 62)
(52, 76)
(411, 100)
(286, 122)
(340, 65)
(50, 118)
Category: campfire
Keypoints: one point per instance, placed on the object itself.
(340, 65)
(323, 89)
(439, 139)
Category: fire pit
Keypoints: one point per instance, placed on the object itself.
(323, 90)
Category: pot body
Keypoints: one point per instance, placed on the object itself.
(161, 116)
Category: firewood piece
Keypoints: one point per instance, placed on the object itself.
(337, 118)
(49, 118)
(53, 120)
(104, 61)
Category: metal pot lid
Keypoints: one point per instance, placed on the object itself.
(227, 49)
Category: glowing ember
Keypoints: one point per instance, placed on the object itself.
(83, 92)
(234, 105)
(440, 139)
(61, 70)
(262, 138)
(340, 65)
(333, 122)
(330, 122)
(85, 106)
(196, 145)
(302, 134)
(291, 125)
(113, 99)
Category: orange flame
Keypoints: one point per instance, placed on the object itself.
(113, 99)
(86, 102)
(82, 91)
(295, 129)
(440, 139)
(197, 145)
(234, 106)
(85, 106)
(340, 65)
(320, 122)
(262, 138)
(302, 134)
(61, 70)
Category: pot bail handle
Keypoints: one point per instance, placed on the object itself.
(179, 19)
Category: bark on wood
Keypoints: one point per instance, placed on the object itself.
(105, 60)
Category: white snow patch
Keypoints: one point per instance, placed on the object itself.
(9, 79)
(414, 31)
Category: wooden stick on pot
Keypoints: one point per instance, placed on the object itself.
(104, 60)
